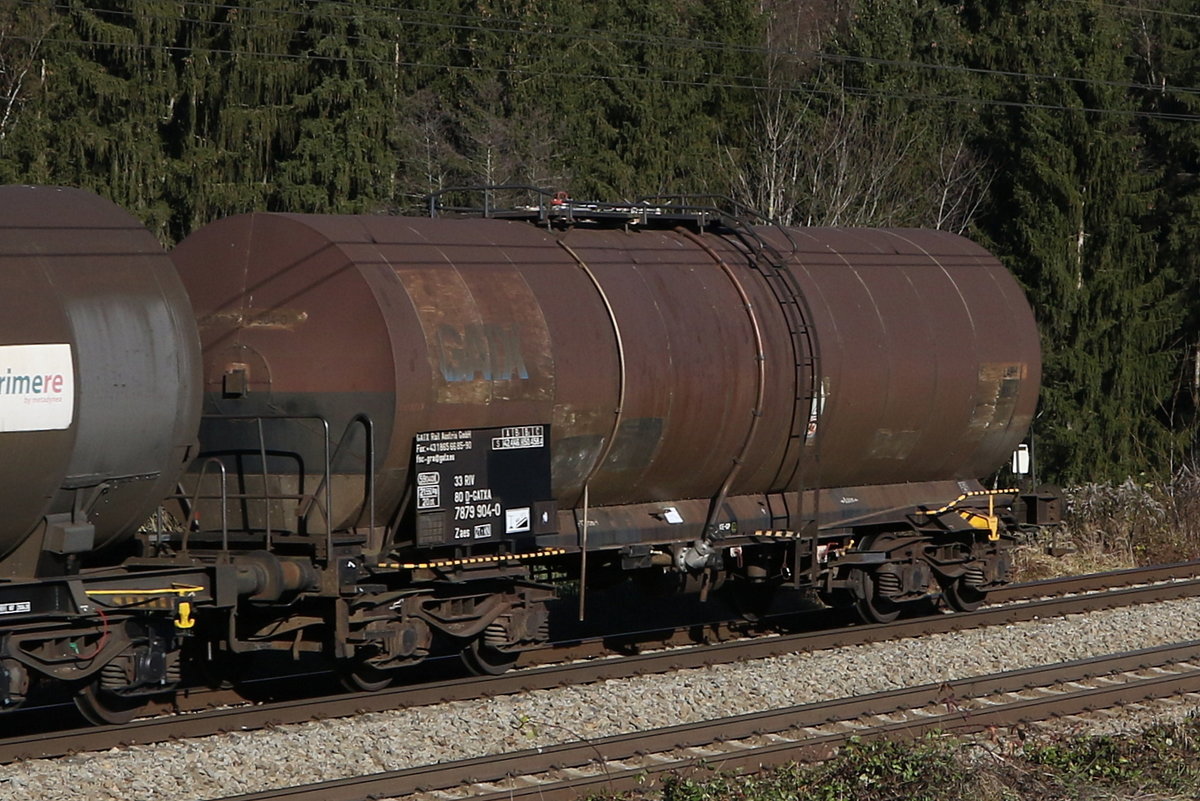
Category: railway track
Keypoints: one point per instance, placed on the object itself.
(1172, 584)
(797, 733)
(1093, 582)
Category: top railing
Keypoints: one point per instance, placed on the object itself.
(548, 207)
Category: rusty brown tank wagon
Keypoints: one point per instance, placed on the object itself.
(415, 430)
(657, 358)
(663, 392)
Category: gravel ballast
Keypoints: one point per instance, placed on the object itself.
(244, 762)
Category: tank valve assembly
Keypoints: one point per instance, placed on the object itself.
(698, 556)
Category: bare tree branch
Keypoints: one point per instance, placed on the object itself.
(22, 33)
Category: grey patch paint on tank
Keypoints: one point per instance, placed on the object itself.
(480, 352)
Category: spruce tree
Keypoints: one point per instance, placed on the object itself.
(95, 115)
(889, 144)
(1069, 212)
(1166, 45)
(284, 106)
(234, 114)
(345, 103)
(660, 95)
(607, 102)
(23, 33)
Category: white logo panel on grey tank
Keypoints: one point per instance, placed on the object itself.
(37, 387)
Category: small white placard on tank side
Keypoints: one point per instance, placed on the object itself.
(37, 387)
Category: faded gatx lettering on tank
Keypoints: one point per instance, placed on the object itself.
(485, 334)
(474, 352)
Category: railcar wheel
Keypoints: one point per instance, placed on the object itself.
(962, 597)
(103, 708)
(483, 660)
(359, 677)
(874, 609)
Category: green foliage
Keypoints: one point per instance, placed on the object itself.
(93, 115)
(1101, 758)
(1166, 55)
(888, 769)
(233, 116)
(489, 115)
(879, 769)
(1161, 761)
(658, 104)
(343, 160)
(284, 106)
(183, 113)
(606, 101)
(1162, 758)
(892, 152)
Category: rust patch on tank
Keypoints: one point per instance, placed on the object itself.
(996, 397)
(275, 319)
(485, 334)
(888, 444)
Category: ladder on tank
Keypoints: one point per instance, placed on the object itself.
(802, 436)
(802, 445)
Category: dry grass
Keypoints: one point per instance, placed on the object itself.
(1111, 526)
(1032, 563)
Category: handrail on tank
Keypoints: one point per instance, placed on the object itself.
(544, 198)
(548, 206)
(262, 460)
(760, 250)
(258, 419)
(192, 504)
(707, 202)
(369, 502)
(742, 218)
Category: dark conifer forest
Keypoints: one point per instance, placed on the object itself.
(1064, 135)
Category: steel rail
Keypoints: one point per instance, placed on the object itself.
(1092, 582)
(794, 733)
(298, 711)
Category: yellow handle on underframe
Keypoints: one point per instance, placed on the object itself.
(990, 521)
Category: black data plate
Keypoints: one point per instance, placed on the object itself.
(482, 485)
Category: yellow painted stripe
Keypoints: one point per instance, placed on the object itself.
(784, 534)
(973, 494)
(472, 560)
(179, 590)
